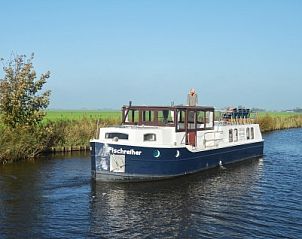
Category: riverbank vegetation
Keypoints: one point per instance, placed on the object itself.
(76, 128)
(60, 134)
(278, 121)
(73, 129)
(22, 108)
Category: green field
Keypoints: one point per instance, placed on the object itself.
(54, 115)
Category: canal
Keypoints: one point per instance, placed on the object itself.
(54, 197)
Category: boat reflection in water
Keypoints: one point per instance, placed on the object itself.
(191, 206)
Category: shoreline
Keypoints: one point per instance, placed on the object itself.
(64, 136)
(267, 124)
(67, 149)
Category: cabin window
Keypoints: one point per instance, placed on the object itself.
(181, 116)
(148, 117)
(132, 117)
(181, 120)
(209, 119)
(230, 135)
(235, 135)
(191, 117)
(247, 133)
(252, 133)
(200, 117)
(116, 135)
(149, 137)
(166, 116)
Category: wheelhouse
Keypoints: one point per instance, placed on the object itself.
(188, 119)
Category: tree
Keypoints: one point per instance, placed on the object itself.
(21, 100)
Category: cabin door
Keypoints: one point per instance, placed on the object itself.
(192, 138)
(191, 127)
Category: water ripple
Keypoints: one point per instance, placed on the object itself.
(260, 198)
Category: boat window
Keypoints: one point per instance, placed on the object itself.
(165, 116)
(181, 116)
(149, 137)
(191, 117)
(133, 116)
(148, 116)
(117, 135)
(200, 117)
(252, 133)
(230, 135)
(181, 120)
(235, 135)
(209, 119)
(247, 133)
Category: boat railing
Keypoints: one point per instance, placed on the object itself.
(237, 116)
(236, 121)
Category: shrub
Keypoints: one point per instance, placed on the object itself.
(24, 142)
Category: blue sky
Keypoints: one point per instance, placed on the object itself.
(102, 54)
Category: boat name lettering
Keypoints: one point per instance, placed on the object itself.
(124, 151)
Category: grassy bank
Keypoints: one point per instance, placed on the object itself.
(73, 130)
(59, 130)
(57, 115)
(278, 121)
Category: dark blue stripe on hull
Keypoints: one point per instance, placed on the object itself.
(146, 166)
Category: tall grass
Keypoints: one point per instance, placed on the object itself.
(25, 142)
(270, 122)
(29, 142)
(71, 133)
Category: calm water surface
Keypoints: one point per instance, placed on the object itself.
(55, 198)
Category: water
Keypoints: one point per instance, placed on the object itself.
(55, 198)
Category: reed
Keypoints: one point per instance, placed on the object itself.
(270, 122)
(75, 132)
(24, 142)
(28, 142)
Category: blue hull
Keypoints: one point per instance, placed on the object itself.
(143, 163)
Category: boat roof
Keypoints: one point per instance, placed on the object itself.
(174, 107)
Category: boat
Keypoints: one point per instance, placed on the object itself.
(161, 142)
